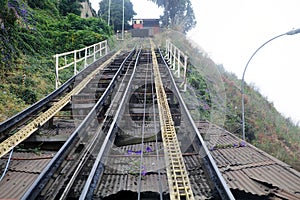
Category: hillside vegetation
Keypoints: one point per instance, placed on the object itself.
(266, 128)
(214, 94)
(219, 99)
(31, 33)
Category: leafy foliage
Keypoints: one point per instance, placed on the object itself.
(265, 127)
(200, 87)
(73, 29)
(178, 14)
(116, 13)
(30, 35)
(69, 6)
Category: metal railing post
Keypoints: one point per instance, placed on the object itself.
(85, 57)
(56, 71)
(94, 52)
(78, 58)
(174, 58)
(178, 63)
(106, 47)
(170, 53)
(185, 72)
(75, 62)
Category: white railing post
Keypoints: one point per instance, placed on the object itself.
(56, 72)
(94, 52)
(174, 58)
(100, 49)
(185, 72)
(170, 53)
(85, 57)
(106, 47)
(167, 49)
(78, 58)
(75, 62)
(177, 60)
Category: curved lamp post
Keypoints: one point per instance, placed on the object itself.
(292, 32)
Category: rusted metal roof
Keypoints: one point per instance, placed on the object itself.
(248, 169)
(112, 184)
(24, 168)
(245, 169)
(123, 169)
(276, 175)
(14, 184)
(240, 181)
(238, 156)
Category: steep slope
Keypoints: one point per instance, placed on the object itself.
(218, 100)
(31, 33)
(266, 128)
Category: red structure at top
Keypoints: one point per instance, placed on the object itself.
(145, 27)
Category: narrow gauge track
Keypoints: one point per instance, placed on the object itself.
(123, 155)
(77, 155)
(100, 79)
(16, 122)
(18, 128)
(136, 162)
(118, 149)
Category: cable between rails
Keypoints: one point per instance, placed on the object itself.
(7, 165)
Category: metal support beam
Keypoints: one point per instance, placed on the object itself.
(179, 183)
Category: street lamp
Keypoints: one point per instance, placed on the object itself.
(292, 32)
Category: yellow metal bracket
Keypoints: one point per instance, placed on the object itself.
(179, 184)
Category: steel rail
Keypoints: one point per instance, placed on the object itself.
(46, 174)
(12, 141)
(91, 146)
(213, 170)
(12, 121)
(97, 168)
(179, 183)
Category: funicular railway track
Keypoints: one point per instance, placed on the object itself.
(137, 141)
(51, 121)
(40, 113)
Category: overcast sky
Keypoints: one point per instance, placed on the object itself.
(230, 31)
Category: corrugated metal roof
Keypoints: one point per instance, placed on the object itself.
(29, 162)
(132, 164)
(124, 165)
(201, 186)
(112, 184)
(248, 169)
(238, 156)
(24, 168)
(15, 184)
(276, 176)
(240, 181)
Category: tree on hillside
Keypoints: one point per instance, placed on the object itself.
(69, 6)
(9, 13)
(116, 13)
(178, 14)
